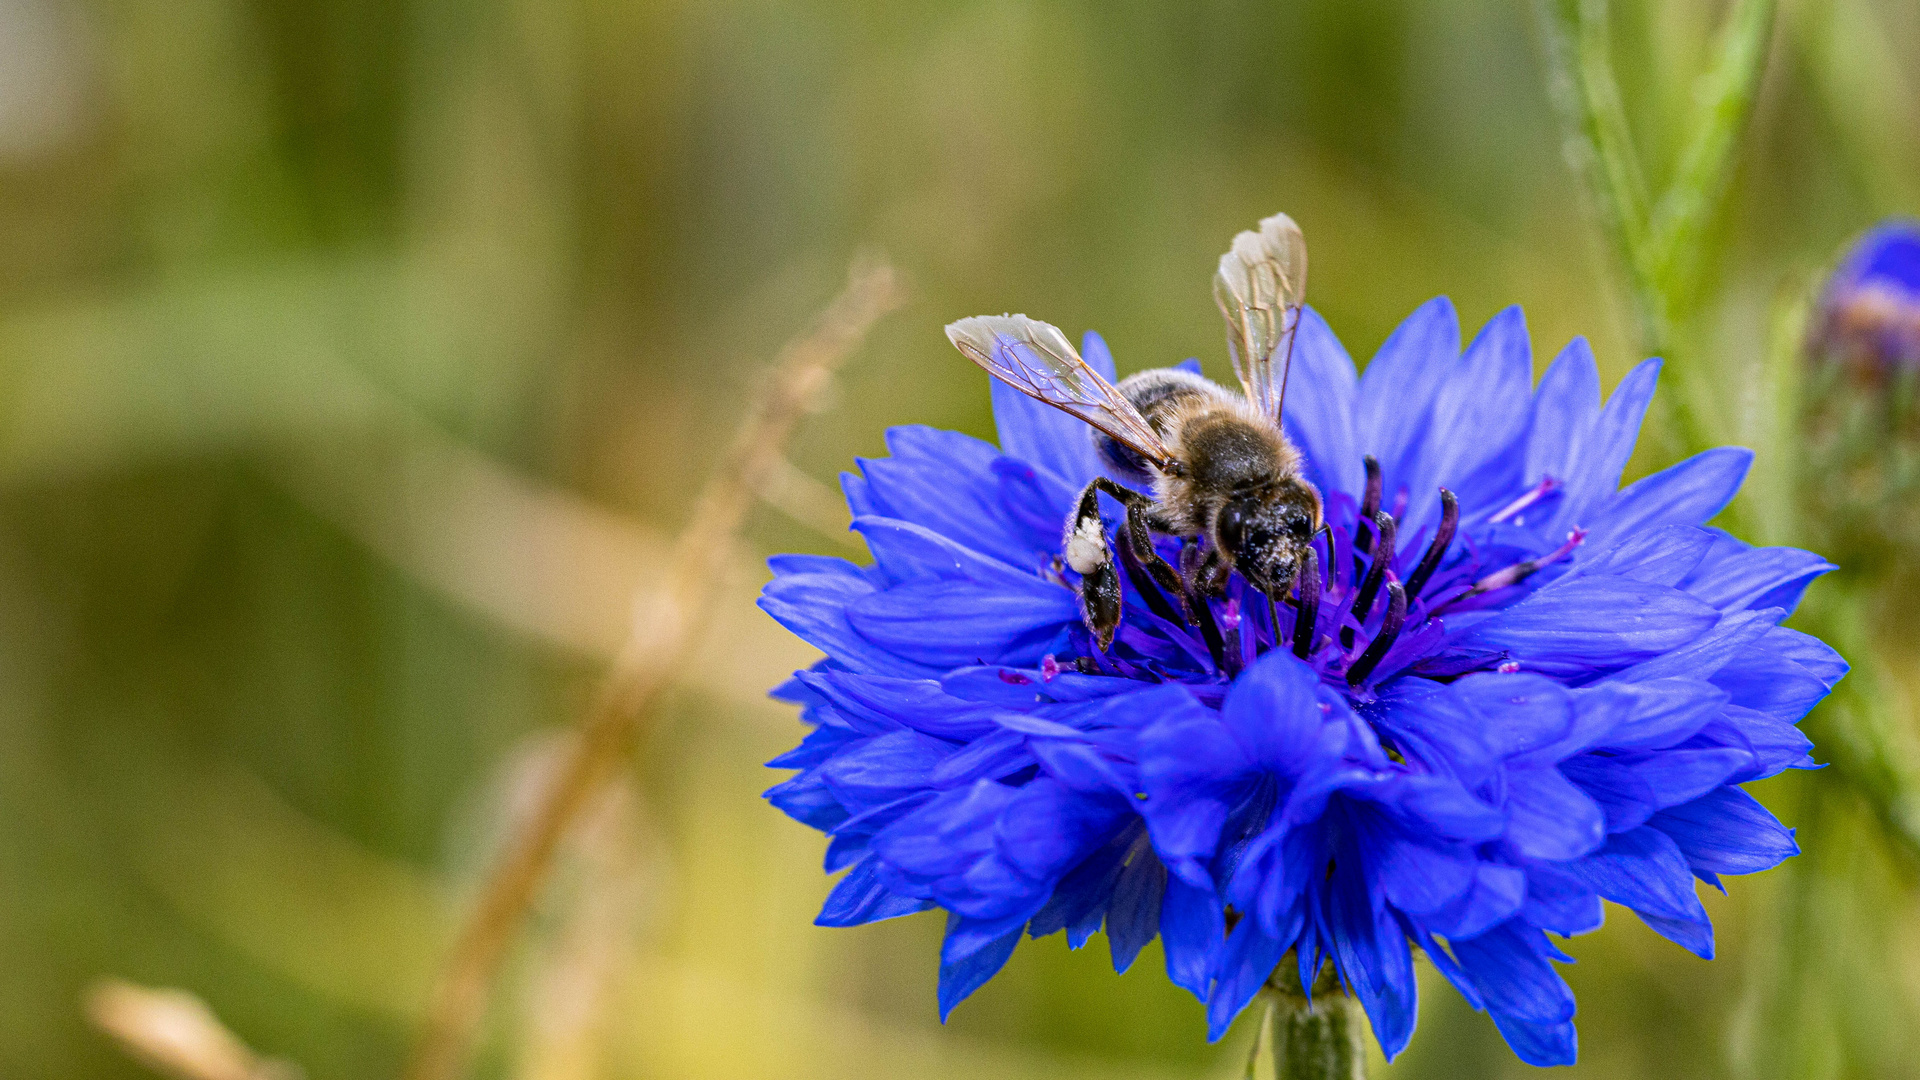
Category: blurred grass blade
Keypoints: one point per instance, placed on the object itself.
(1596, 143)
(1659, 242)
(1723, 99)
(177, 1034)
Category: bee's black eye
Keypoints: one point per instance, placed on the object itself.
(1244, 527)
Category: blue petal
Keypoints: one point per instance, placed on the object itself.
(1442, 807)
(989, 757)
(948, 835)
(961, 975)
(1678, 776)
(805, 799)
(1190, 769)
(1416, 877)
(1736, 577)
(1625, 798)
(1549, 817)
(1566, 405)
(1082, 896)
(1765, 678)
(1247, 959)
(1667, 555)
(1498, 893)
(1689, 493)
(1809, 652)
(1134, 917)
(1653, 714)
(1693, 935)
(1774, 744)
(1048, 829)
(1727, 832)
(1644, 870)
(820, 744)
(1274, 712)
(1516, 714)
(1448, 967)
(1540, 1044)
(1371, 953)
(1093, 349)
(876, 704)
(1440, 730)
(884, 768)
(1514, 978)
(1396, 394)
(1592, 477)
(1035, 504)
(1557, 901)
(814, 606)
(943, 481)
(908, 551)
(1478, 415)
(1706, 655)
(1319, 406)
(977, 624)
(1579, 625)
(859, 898)
(1191, 929)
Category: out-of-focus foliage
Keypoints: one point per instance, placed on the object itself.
(356, 358)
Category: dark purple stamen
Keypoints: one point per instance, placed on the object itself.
(1304, 623)
(1390, 624)
(1449, 520)
(1369, 505)
(1370, 588)
(1209, 629)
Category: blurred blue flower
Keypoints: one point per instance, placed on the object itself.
(1870, 313)
(1503, 702)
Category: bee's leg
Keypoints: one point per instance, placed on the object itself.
(1193, 564)
(1140, 538)
(1088, 554)
(1205, 571)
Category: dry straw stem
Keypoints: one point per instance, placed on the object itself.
(177, 1034)
(667, 624)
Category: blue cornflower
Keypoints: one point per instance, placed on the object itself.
(1870, 312)
(1493, 706)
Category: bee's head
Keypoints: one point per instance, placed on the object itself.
(1267, 533)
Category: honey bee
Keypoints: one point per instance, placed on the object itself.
(1222, 472)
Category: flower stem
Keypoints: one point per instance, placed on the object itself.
(1322, 1037)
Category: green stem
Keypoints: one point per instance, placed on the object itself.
(1658, 243)
(1319, 1039)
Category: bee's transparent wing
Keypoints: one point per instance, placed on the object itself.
(1260, 287)
(1036, 359)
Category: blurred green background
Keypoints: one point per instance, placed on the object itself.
(359, 358)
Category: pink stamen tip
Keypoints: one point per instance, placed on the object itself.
(1049, 668)
(1509, 667)
(1518, 572)
(1541, 490)
(1230, 618)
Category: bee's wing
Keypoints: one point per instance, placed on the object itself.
(1260, 286)
(1036, 359)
